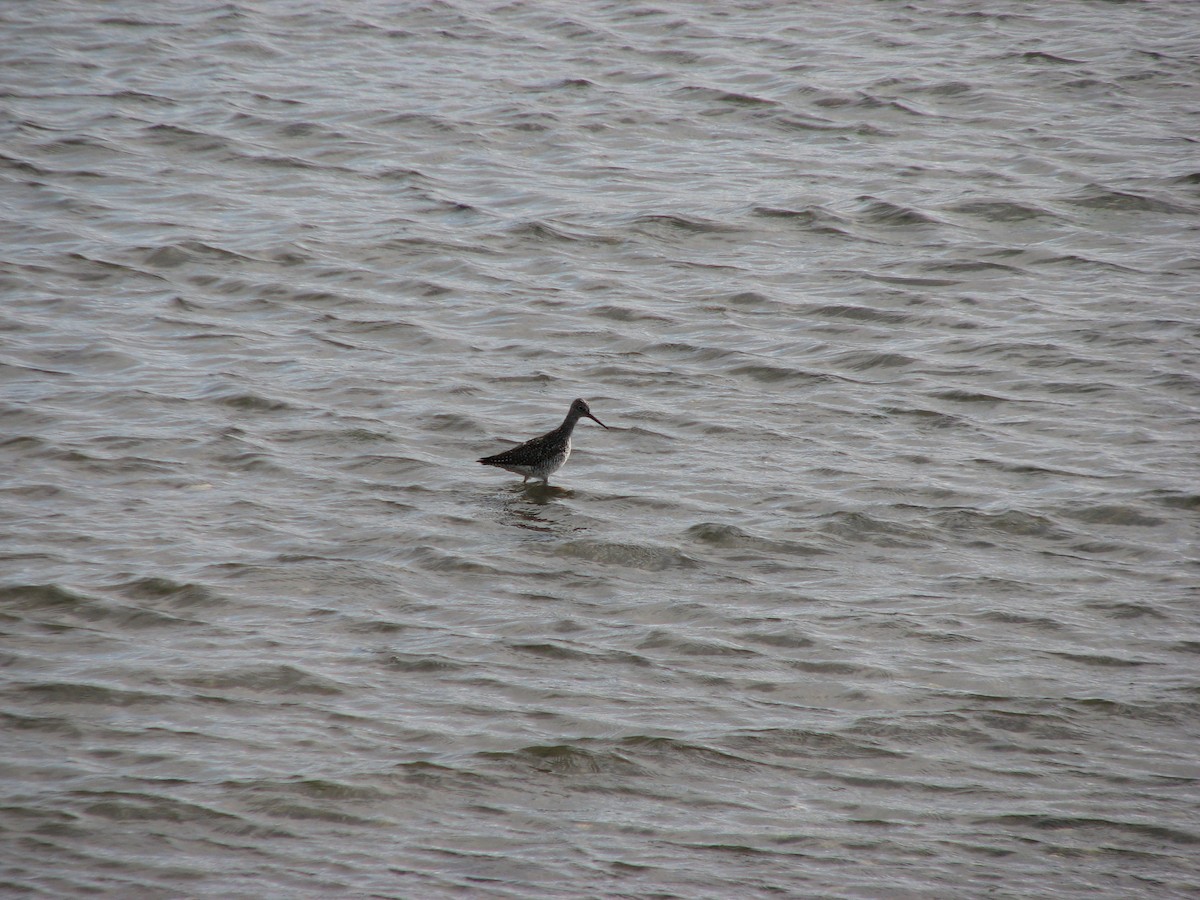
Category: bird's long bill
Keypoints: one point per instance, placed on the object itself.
(597, 421)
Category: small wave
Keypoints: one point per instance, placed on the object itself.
(1039, 56)
(729, 98)
(635, 556)
(837, 668)
(1114, 514)
(608, 657)
(751, 300)
(966, 522)
(451, 422)
(165, 592)
(1078, 260)
(731, 537)
(99, 271)
(677, 751)
(863, 314)
(173, 256)
(1179, 500)
(794, 121)
(73, 693)
(545, 232)
(253, 403)
(626, 314)
(569, 759)
(310, 788)
(778, 375)
(390, 469)
(560, 84)
(318, 810)
(261, 462)
(960, 266)
(814, 219)
(62, 606)
(1006, 617)
(865, 361)
(1098, 832)
(688, 351)
(433, 559)
(961, 396)
(929, 418)
(1104, 661)
(669, 225)
(406, 175)
(1000, 210)
(862, 528)
(786, 639)
(261, 679)
(1096, 196)
(909, 280)
(127, 807)
(672, 643)
(34, 491)
(165, 135)
(947, 88)
(796, 743)
(549, 650)
(24, 166)
(873, 211)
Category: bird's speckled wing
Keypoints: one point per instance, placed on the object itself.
(529, 453)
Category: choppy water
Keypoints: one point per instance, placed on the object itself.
(883, 583)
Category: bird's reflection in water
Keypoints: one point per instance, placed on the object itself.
(532, 507)
(542, 493)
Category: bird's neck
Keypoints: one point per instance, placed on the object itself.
(568, 424)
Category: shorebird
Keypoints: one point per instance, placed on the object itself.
(543, 456)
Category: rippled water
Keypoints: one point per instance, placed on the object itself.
(882, 584)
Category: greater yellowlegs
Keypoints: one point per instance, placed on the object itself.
(543, 456)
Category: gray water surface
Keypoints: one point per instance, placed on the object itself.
(883, 583)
